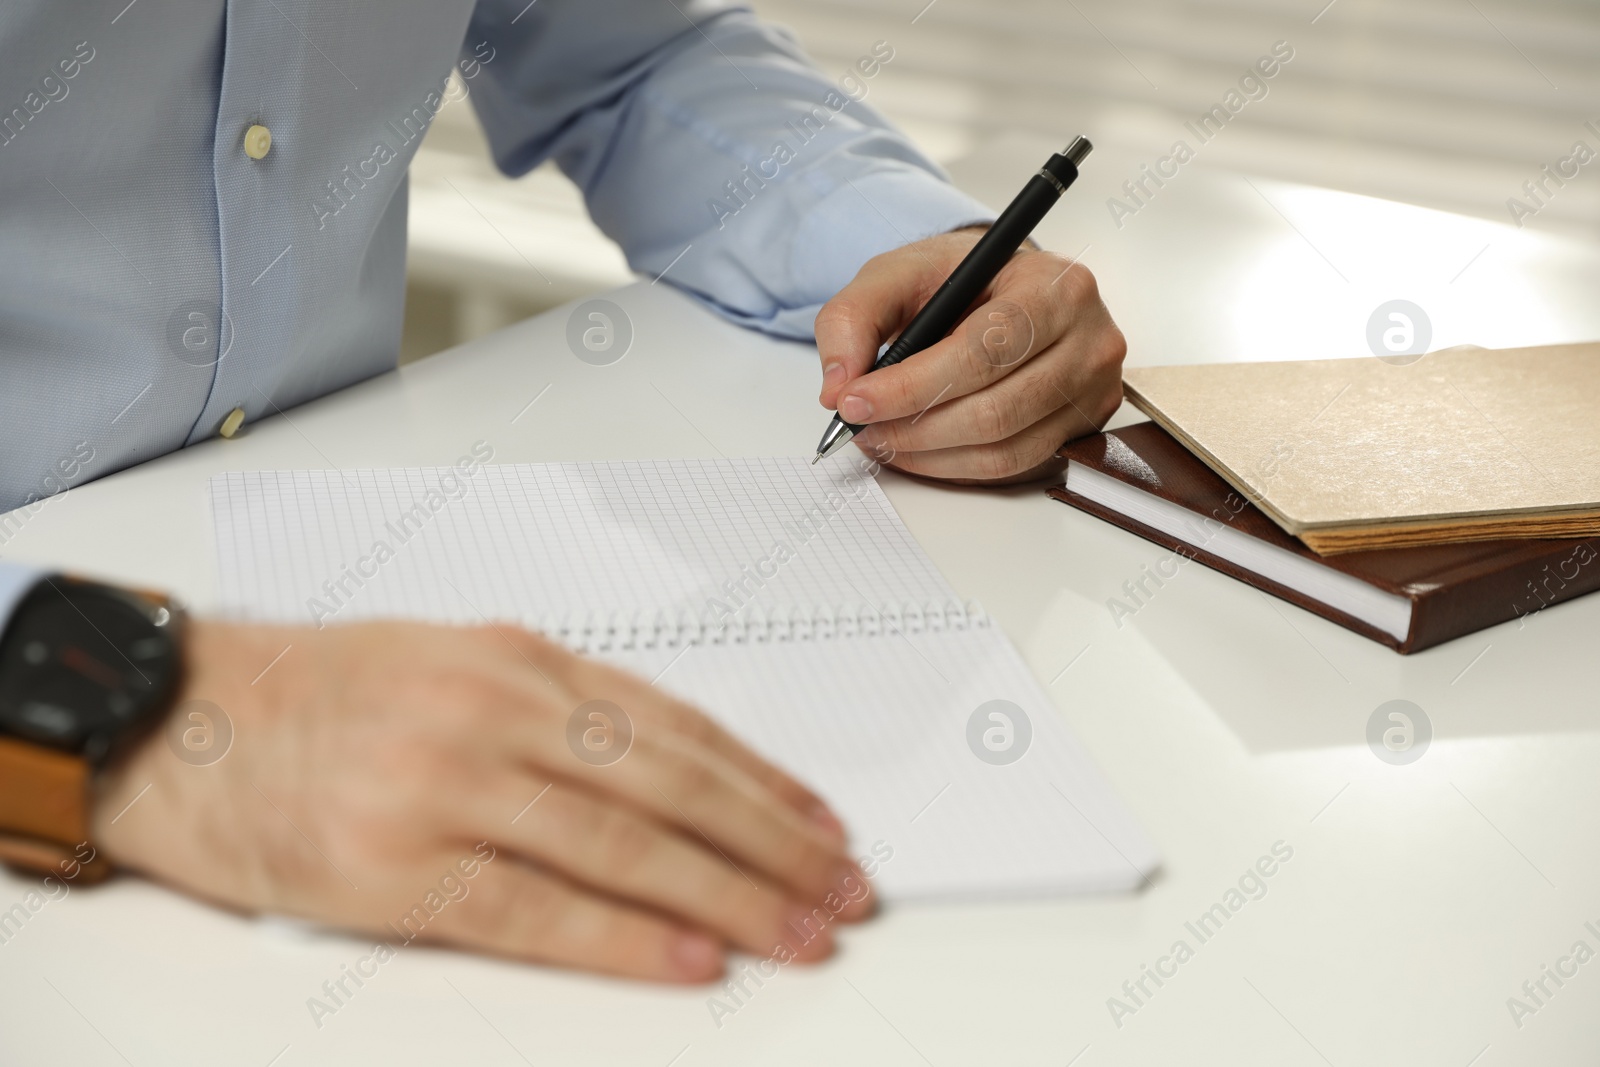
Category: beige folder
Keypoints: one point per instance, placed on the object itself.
(1468, 444)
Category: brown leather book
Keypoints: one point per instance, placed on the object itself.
(1141, 479)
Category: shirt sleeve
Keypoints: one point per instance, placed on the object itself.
(16, 580)
(709, 147)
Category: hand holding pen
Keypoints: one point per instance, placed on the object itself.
(990, 394)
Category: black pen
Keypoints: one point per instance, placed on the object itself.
(945, 307)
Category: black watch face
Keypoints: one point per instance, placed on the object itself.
(83, 666)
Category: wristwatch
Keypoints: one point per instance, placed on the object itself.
(86, 670)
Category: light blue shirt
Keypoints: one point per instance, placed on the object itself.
(154, 276)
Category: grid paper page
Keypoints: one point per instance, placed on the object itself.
(878, 726)
(532, 543)
(879, 723)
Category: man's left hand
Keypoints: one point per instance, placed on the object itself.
(1037, 363)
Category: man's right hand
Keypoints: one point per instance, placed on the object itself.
(371, 760)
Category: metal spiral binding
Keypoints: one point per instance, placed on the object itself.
(620, 631)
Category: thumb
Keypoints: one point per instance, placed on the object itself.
(852, 326)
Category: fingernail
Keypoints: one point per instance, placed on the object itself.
(828, 821)
(851, 884)
(695, 956)
(848, 879)
(855, 409)
(832, 375)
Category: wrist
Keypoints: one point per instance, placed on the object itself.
(160, 785)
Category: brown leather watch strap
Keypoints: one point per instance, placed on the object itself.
(44, 809)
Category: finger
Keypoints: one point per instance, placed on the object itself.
(673, 779)
(1054, 380)
(524, 720)
(1022, 457)
(1025, 315)
(602, 845)
(711, 800)
(592, 679)
(515, 910)
(852, 327)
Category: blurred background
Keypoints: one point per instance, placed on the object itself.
(1449, 104)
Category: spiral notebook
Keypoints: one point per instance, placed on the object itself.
(788, 601)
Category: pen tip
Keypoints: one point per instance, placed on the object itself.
(815, 458)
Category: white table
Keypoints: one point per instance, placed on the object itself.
(1418, 897)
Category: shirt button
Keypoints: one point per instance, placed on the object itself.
(230, 424)
(257, 142)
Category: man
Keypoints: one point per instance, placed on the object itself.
(202, 207)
